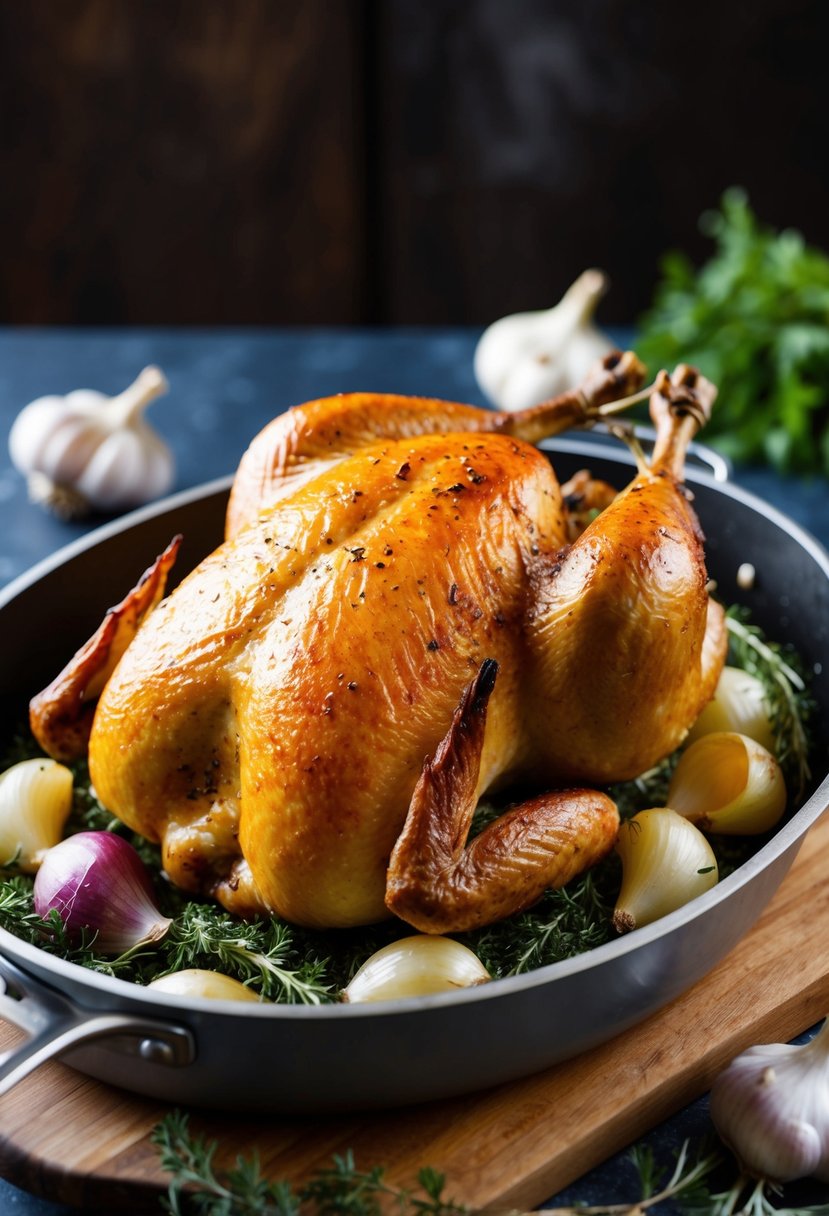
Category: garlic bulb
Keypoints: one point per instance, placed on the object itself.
(212, 985)
(771, 1107)
(35, 801)
(727, 782)
(416, 966)
(87, 451)
(739, 704)
(666, 862)
(523, 359)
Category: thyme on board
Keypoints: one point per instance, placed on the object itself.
(198, 1187)
(289, 964)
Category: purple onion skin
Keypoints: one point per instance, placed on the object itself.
(96, 881)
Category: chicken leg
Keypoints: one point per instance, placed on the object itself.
(626, 645)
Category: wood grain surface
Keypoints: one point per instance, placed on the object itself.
(181, 164)
(81, 1142)
(388, 161)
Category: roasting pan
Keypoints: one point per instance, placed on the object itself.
(295, 1059)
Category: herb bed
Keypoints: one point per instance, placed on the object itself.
(287, 964)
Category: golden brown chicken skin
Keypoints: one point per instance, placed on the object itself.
(384, 601)
(309, 439)
(626, 645)
(294, 683)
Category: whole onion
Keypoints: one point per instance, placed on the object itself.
(97, 881)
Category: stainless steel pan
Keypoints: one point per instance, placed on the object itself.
(298, 1059)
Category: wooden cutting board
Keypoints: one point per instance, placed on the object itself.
(78, 1141)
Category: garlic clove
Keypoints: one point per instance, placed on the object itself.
(666, 862)
(416, 966)
(35, 801)
(212, 985)
(739, 705)
(97, 883)
(125, 463)
(771, 1107)
(44, 438)
(728, 783)
(522, 359)
(93, 451)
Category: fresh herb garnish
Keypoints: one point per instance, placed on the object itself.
(755, 320)
(264, 951)
(562, 924)
(745, 1197)
(289, 964)
(17, 912)
(198, 1188)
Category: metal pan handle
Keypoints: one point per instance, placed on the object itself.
(55, 1024)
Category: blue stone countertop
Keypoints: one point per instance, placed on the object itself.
(224, 386)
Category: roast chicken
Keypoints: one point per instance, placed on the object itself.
(402, 617)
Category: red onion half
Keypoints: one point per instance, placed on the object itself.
(97, 881)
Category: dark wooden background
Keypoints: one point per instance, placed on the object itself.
(388, 161)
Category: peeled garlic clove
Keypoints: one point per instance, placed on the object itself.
(666, 862)
(35, 801)
(522, 359)
(771, 1107)
(416, 966)
(728, 783)
(738, 705)
(212, 985)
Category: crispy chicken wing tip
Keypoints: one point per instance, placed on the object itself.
(61, 715)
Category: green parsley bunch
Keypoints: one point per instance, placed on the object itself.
(755, 320)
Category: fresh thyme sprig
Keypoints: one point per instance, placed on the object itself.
(17, 913)
(203, 936)
(790, 705)
(563, 923)
(197, 1188)
(746, 1197)
(686, 1182)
